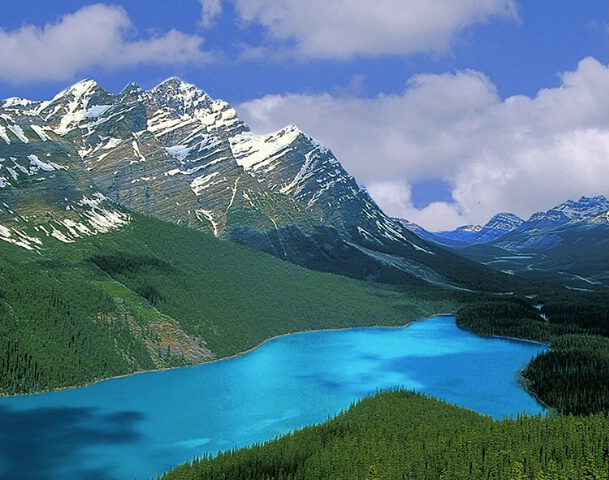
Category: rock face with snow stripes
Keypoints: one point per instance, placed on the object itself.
(176, 153)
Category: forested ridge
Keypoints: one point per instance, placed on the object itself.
(60, 332)
(405, 435)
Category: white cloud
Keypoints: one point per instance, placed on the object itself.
(210, 9)
(341, 29)
(94, 36)
(518, 155)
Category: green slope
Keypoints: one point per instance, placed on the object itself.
(154, 294)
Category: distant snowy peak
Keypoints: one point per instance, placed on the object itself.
(505, 222)
(470, 228)
(585, 207)
(496, 227)
(509, 229)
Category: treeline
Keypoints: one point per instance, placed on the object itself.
(572, 377)
(404, 435)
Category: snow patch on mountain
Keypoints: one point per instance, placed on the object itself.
(4, 135)
(253, 152)
(180, 152)
(18, 131)
(201, 183)
(40, 132)
(36, 164)
(96, 111)
(19, 238)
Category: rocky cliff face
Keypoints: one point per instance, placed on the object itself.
(175, 153)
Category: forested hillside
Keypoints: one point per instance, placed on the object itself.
(404, 435)
(155, 295)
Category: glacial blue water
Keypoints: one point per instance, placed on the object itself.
(138, 426)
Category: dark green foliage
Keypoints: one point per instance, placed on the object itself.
(573, 376)
(588, 310)
(236, 298)
(504, 316)
(56, 332)
(75, 313)
(403, 435)
(129, 264)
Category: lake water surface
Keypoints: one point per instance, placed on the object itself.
(141, 425)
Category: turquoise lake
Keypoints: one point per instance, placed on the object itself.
(136, 427)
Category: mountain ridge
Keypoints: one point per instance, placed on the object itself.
(568, 242)
(175, 153)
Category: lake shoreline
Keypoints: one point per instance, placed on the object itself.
(214, 360)
(288, 384)
(522, 380)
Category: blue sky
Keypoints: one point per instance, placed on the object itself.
(446, 111)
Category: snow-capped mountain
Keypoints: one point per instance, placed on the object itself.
(175, 153)
(542, 229)
(41, 193)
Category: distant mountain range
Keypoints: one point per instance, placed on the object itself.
(568, 243)
(76, 165)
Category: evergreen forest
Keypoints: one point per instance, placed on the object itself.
(405, 435)
(571, 377)
(155, 295)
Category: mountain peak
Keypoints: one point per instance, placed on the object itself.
(504, 221)
(131, 89)
(470, 228)
(175, 85)
(70, 106)
(179, 96)
(79, 89)
(585, 207)
(16, 102)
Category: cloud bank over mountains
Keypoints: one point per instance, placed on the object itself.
(342, 29)
(454, 126)
(103, 35)
(450, 127)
